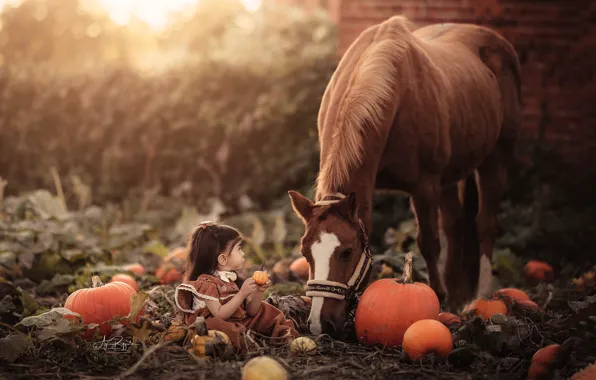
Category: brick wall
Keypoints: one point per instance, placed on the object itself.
(556, 43)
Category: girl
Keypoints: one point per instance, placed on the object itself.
(212, 289)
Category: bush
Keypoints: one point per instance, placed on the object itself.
(237, 118)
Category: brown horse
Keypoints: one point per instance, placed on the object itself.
(433, 112)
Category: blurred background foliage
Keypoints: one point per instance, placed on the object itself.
(220, 103)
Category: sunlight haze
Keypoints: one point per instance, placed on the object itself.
(153, 12)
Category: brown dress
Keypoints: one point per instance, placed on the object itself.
(268, 321)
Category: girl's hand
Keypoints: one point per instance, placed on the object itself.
(262, 288)
(248, 287)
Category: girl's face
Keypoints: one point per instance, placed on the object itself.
(233, 260)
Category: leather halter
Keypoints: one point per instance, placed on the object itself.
(337, 290)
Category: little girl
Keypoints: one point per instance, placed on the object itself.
(212, 289)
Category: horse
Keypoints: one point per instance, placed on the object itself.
(432, 112)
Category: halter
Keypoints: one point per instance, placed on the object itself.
(337, 290)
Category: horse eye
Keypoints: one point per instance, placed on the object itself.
(346, 254)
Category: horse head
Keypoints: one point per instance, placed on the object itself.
(336, 247)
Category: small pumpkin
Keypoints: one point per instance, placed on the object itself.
(538, 271)
(542, 361)
(264, 368)
(300, 268)
(261, 277)
(486, 308)
(426, 336)
(210, 344)
(588, 373)
(387, 328)
(303, 345)
(516, 294)
(127, 279)
(175, 333)
(115, 300)
(170, 271)
(135, 268)
(449, 319)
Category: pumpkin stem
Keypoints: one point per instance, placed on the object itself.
(96, 281)
(407, 276)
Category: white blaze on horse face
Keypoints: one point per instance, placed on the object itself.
(486, 276)
(321, 253)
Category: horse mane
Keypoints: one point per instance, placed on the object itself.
(371, 85)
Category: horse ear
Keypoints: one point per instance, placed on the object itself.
(349, 206)
(302, 206)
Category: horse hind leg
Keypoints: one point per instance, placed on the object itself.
(492, 182)
(425, 201)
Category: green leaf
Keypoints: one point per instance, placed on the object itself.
(49, 318)
(14, 345)
(47, 205)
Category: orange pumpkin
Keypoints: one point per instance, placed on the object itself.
(127, 279)
(261, 277)
(115, 300)
(448, 318)
(426, 336)
(486, 308)
(529, 305)
(516, 294)
(542, 360)
(170, 271)
(300, 268)
(381, 317)
(135, 268)
(538, 271)
(587, 373)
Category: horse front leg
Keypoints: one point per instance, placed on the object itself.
(425, 201)
(454, 277)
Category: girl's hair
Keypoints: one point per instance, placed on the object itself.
(206, 243)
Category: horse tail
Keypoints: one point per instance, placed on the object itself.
(470, 240)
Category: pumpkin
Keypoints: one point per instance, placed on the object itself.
(529, 305)
(261, 277)
(303, 345)
(587, 373)
(382, 316)
(209, 345)
(115, 300)
(264, 368)
(486, 308)
(516, 294)
(300, 268)
(448, 318)
(281, 269)
(170, 271)
(135, 268)
(538, 271)
(127, 279)
(175, 332)
(542, 361)
(426, 336)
